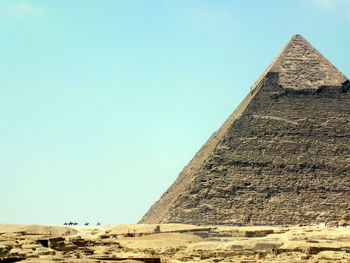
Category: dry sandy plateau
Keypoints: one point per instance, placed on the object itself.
(173, 243)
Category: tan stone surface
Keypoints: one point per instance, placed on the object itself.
(301, 66)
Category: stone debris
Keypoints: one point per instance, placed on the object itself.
(180, 243)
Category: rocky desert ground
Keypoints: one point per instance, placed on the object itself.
(174, 243)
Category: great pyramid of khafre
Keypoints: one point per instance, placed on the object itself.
(282, 157)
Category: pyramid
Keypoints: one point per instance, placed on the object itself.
(282, 157)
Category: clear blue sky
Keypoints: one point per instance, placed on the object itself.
(102, 103)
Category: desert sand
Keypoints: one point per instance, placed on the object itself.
(173, 243)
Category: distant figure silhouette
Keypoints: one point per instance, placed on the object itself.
(157, 229)
(65, 223)
(86, 224)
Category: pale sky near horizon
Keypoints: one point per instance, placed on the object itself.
(102, 103)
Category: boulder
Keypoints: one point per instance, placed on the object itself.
(4, 250)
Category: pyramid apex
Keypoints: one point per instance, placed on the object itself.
(301, 67)
(297, 37)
